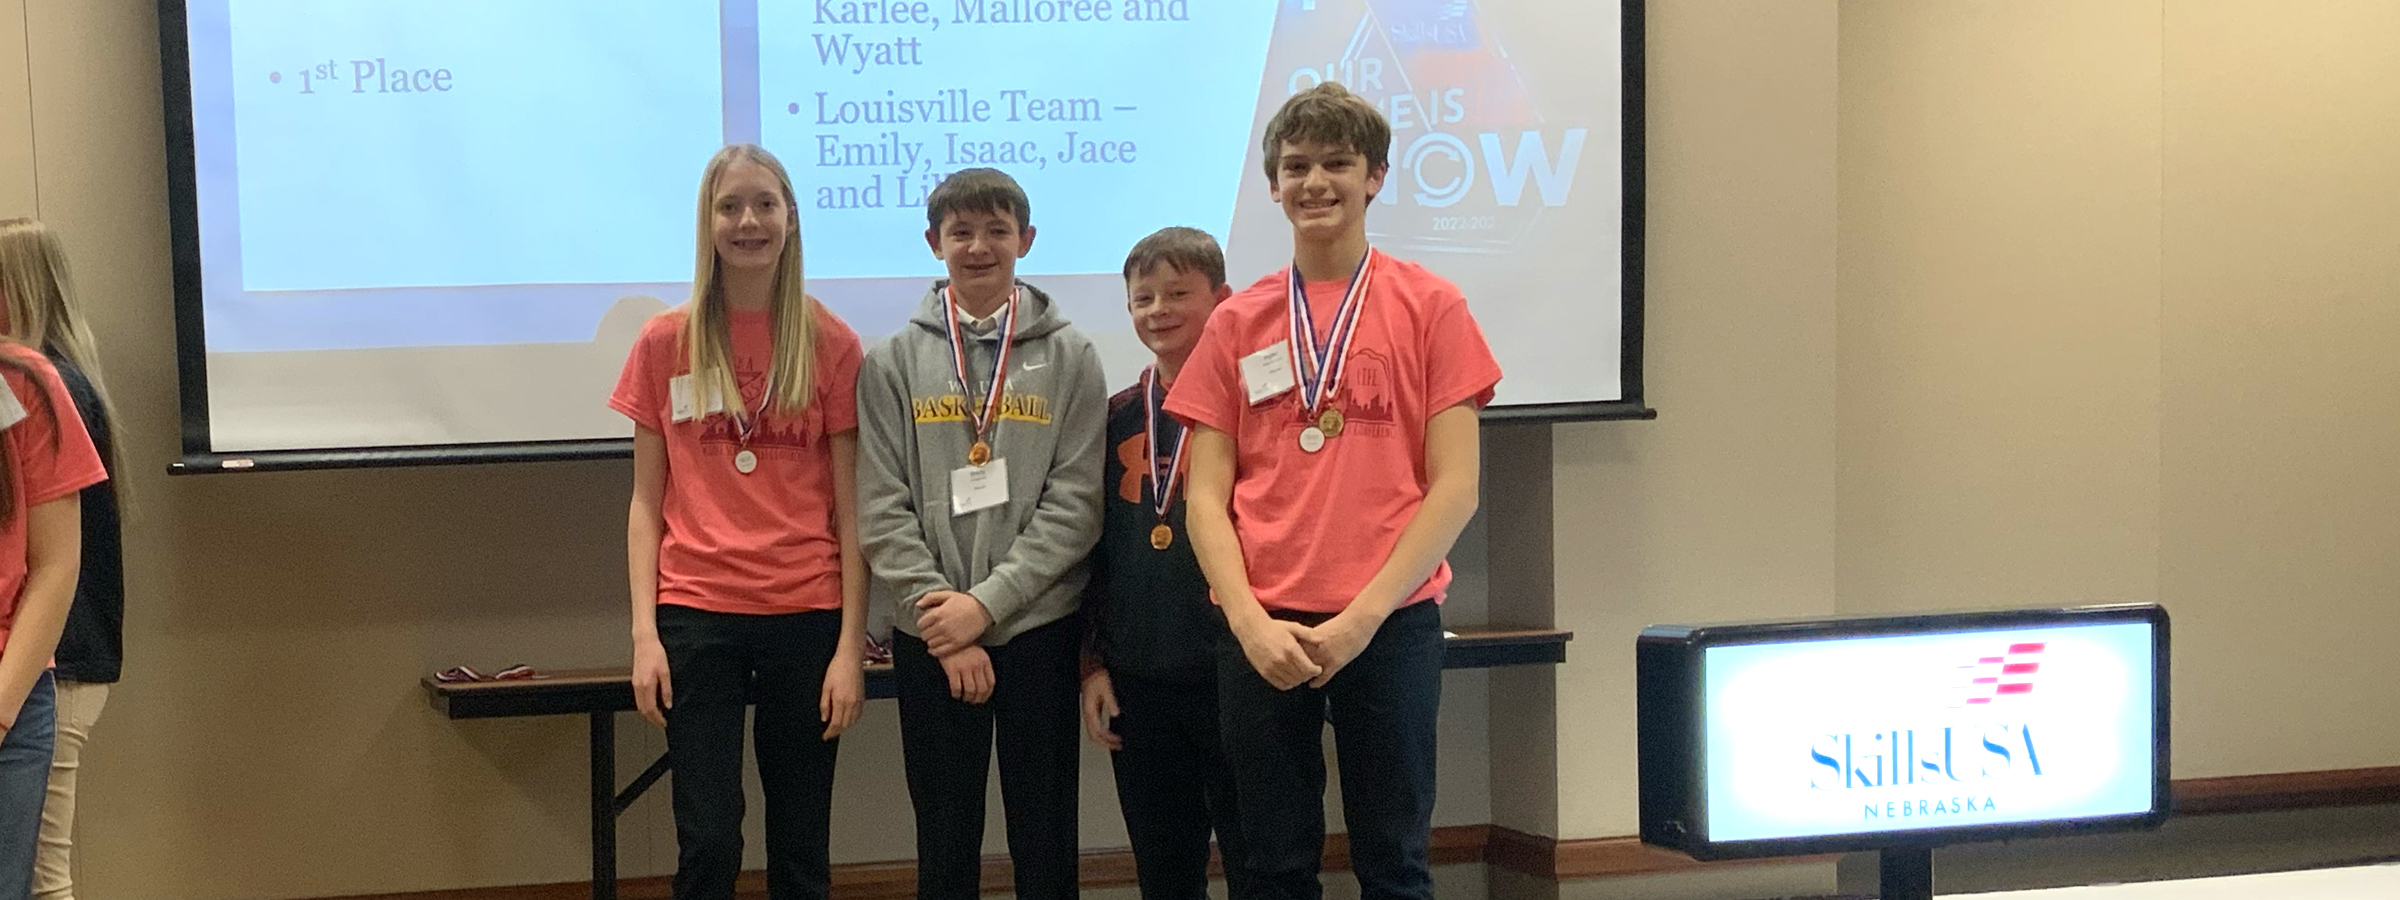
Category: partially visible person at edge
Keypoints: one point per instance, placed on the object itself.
(38, 297)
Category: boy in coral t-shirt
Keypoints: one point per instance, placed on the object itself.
(1333, 463)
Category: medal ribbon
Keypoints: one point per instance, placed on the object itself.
(1320, 367)
(1162, 490)
(745, 421)
(981, 415)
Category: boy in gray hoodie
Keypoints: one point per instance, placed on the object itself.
(981, 426)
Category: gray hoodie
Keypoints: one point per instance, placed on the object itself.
(1024, 559)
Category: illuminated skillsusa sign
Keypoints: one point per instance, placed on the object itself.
(1884, 733)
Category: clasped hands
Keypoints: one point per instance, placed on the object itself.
(1289, 654)
(951, 622)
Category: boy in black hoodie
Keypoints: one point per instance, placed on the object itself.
(1149, 686)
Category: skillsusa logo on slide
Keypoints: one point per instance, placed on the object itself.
(1956, 762)
(1473, 161)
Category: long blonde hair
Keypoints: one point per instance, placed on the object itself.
(43, 314)
(707, 334)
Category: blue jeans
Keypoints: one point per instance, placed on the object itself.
(24, 780)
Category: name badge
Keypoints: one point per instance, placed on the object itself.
(685, 402)
(12, 410)
(981, 487)
(1268, 373)
(679, 398)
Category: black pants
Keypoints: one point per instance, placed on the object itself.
(1175, 787)
(718, 662)
(947, 749)
(1383, 708)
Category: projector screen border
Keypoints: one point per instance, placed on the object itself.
(183, 226)
(201, 457)
(388, 457)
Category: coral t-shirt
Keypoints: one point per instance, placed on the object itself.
(764, 541)
(1316, 527)
(50, 457)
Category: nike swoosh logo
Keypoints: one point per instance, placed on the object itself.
(1032, 366)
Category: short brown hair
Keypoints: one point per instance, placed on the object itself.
(1329, 113)
(978, 190)
(1186, 249)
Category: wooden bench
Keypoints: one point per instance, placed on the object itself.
(603, 693)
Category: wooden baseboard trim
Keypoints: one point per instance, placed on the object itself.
(897, 879)
(1557, 860)
(1530, 854)
(2287, 791)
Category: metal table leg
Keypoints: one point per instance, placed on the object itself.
(604, 806)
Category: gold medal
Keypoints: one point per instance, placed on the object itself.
(1330, 422)
(979, 454)
(1162, 537)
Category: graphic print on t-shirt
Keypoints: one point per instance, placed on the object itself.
(776, 430)
(1366, 399)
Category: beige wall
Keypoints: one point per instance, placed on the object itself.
(2279, 413)
(2119, 305)
(1999, 315)
(1723, 507)
(16, 114)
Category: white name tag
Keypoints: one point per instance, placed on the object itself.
(978, 487)
(12, 410)
(679, 398)
(1268, 373)
(683, 404)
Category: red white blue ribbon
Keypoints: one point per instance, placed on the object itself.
(1162, 488)
(1320, 366)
